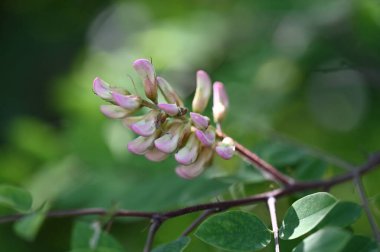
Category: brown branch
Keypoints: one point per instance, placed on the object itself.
(277, 193)
(156, 223)
(258, 162)
(199, 220)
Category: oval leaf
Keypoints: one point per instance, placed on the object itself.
(343, 214)
(175, 246)
(29, 226)
(15, 198)
(305, 214)
(234, 231)
(328, 239)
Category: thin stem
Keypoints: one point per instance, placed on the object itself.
(371, 219)
(156, 223)
(257, 161)
(277, 193)
(273, 217)
(198, 221)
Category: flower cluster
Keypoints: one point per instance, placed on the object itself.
(168, 127)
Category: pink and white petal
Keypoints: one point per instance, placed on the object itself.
(200, 121)
(207, 138)
(167, 143)
(170, 109)
(130, 102)
(101, 89)
(155, 155)
(113, 111)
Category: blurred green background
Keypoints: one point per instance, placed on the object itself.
(302, 76)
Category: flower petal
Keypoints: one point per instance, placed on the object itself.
(207, 138)
(202, 92)
(200, 121)
(220, 102)
(155, 155)
(141, 144)
(102, 89)
(147, 125)
(170, 109)
(113, 111)
(168, 92)
(196, 168)
(189, 153)
(146, 72)
(226, 148)
(130, 102)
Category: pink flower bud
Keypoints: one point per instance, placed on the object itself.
(141, 144)
(101, 89)
(128, 121)
(207, 138)
(189, 153)
(168, 92)
(226, 148)
(113, 111)
(196, 168)
(220, 102)
(155, 155)
(130, 102)
(201, 122)
(170, 109)
(169, 141)
(202, 92)
(147, 125)
(146, 72)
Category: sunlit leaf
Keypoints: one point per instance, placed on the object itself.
(234, 231)
(175, 246)
(343, 214)
(328, 239)
(15, 198)
(305, 214)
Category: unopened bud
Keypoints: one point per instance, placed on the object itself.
(196, 168)
(130, 102)
(113, 111)
(168, 92)
(169, 141)
(141, 144)
(201, 122)
(155, 155)
(170, 109)
(226, 148)
(220, 102)
(146, 72)
(189, 153)
(202, 92)
(207, 138)
(147, 125)
(102, 89)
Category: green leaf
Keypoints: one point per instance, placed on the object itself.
(305, 214)
(29, 225)
(328, 239)
(89, 236)
(343, 214)
(234, 231)
(15, 198)
(359, 243)
(175, 246)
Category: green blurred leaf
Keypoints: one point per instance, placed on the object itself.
(310, 168)
(305, 214)
(89, 236)
(359, 243)
(28, 226)
(328, 239)
(175, 246)
(15, 198)
(343, 214)
(234, 231)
